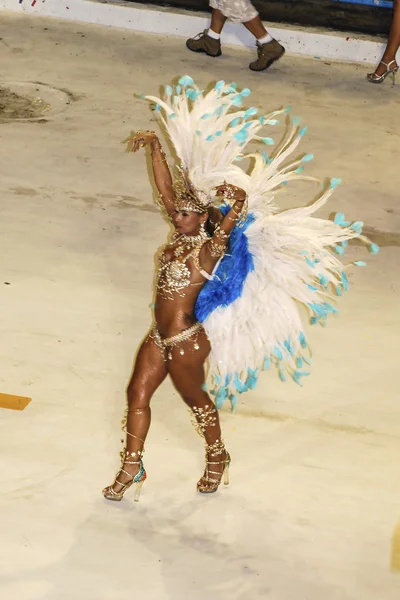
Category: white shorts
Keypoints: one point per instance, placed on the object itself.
(237, 11)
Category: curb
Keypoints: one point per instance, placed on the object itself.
(167, 21)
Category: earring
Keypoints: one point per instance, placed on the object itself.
(203, 232)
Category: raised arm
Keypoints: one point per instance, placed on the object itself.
(162, 175)
(216, 247)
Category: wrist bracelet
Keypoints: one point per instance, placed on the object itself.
(159, 146)
(242, 199)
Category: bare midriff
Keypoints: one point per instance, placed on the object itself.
(174, 310)
(173, 316)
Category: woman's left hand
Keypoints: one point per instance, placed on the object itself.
(230, 192)
(139, 139)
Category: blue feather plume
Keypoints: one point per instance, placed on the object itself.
(229, 279)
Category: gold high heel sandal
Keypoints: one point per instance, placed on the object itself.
(208, 485)
(110, 494)
(374, 78)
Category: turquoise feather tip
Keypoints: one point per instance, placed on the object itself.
(237, 100)
(186, 80)
(302, 340)
(335, 182)
(233, 401)
(250, 112)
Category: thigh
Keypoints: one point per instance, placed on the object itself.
(148, 373)
(187, 370)
(238, 11)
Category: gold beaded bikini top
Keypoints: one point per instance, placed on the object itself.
(174, 275)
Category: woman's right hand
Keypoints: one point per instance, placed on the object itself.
(140, 139)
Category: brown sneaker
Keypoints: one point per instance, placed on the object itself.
(204, 43)
(267, 54)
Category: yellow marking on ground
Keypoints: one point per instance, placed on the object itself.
(14, 402)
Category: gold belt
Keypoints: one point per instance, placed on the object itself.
(167, 344)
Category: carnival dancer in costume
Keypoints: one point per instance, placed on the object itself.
(231, 279)
(177, 345)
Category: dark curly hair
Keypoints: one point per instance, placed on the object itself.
(215, 217)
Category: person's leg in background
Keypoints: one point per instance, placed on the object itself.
(238, 11)
(268, 49)
(209, 40)
(388, 63)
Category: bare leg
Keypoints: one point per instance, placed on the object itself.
(217, 20)
(187, 374)
(149, 372)
(393, 40)
(256, 27)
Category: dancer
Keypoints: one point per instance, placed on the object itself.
(238, 11)
(177, 344)
(230, 278)
(388, 64)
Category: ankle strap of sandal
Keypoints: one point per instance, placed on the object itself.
(218, 447)
(387, 64)
(137, 456)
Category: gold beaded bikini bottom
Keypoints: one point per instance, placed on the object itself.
(166, 345)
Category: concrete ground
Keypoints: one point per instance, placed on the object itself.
(314, 501)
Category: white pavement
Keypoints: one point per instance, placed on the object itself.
(315, 489)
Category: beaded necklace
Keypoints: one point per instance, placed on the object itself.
(174, 275)
(187, 242)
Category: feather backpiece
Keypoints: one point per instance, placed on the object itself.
(279, 259)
